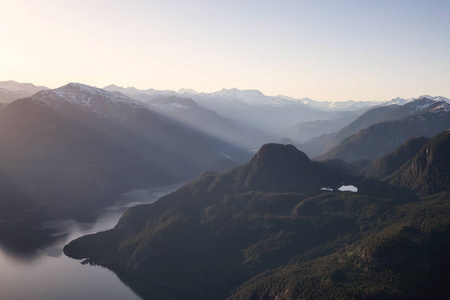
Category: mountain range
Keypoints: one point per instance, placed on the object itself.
(78, 146)
(11, 90)
(260, 118)
(267, 230)
(315, 126)
(370, 125)
(424, 117)
(366, 218)
(96, 144)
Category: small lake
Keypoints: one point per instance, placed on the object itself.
(48, 274)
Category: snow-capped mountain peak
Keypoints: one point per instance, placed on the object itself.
(83, 96)
(248, 96)
(420, 104)
(402, 101)
(434, 98)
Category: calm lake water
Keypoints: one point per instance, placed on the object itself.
(49, 274)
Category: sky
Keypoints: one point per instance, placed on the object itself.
(325, 50)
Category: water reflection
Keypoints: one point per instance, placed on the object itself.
(32, 265)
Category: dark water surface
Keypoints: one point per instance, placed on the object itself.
(48, 274)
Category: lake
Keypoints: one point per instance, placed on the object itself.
(48, 274)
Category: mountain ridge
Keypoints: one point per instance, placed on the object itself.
(282, 241)
(381, 138)
(12, 90)
(79, 143)
(429, 170)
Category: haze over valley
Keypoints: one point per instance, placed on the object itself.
(74, 152)
(224, 149)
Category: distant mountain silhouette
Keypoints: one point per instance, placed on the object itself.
(12, 90)
(304, 131)
(79, 145)
(188, 112)
(422, 105)
(386, 114)
(382, 138)
(259, 118)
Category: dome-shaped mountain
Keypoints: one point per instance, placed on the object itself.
(429, 171)
(277, 167)
(284, 168)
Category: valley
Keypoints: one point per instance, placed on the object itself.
(282, 197)
(265, 223)
(224, 150)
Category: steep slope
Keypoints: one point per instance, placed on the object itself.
(78, 145)
(382, 138)
(389, 113)
(429, 171)
(263, 230)
(406, 259)
(259, 117)
(389, 163)
(283, 168)
(386, 114)
(188, 112)
(204, 226)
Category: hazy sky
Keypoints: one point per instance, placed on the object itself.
(325, 50)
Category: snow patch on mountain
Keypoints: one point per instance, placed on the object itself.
(435, 98)
(444, 107)
(132, 91)
(420, 104)
(83, 96)
(402, 101)
(238, 97)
